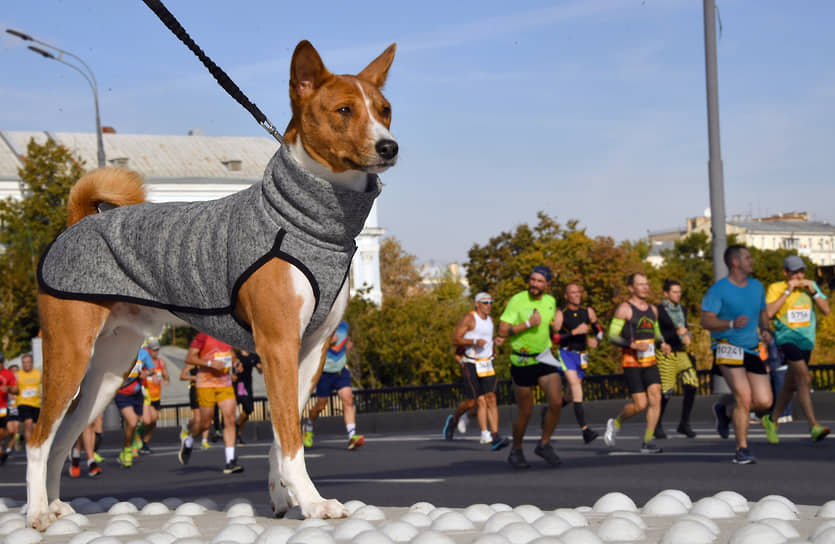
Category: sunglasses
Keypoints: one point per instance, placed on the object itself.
(486, 301)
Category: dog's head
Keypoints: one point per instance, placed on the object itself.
(340, 124)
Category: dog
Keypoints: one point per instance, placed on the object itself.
(264, 269)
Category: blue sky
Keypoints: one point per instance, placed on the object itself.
(591, 110)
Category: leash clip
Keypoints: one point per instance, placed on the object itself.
(272, 130)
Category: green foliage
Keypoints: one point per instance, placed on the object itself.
(27, 227)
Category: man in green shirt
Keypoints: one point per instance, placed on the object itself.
(527, 321)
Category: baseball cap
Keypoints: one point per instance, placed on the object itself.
(793, 263)
(153, 344)
(483, 296)
(543, 270)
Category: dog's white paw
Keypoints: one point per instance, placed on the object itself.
(39, 519)
(325, 509)
(60, 509)
(280, 498)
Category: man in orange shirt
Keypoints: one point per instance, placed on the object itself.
(214, 361)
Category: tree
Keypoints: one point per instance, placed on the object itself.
(27, 227)
(399, 275)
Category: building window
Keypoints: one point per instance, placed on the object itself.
(233, 165)
(121, 162)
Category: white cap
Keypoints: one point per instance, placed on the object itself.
(483, 296)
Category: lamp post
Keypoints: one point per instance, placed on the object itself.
(86, 72)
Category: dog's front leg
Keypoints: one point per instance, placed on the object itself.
(277, 301)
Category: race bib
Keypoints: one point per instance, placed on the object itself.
(241, 389)
(799, 317)
(224, 360)
(29, 393)
(484, 368)
(647, 355)
(3, 412)
(584, 359)
(728, 354)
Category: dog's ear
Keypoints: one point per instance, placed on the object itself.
(376, 72)
(307, 71)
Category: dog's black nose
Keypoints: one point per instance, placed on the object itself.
(387, 149)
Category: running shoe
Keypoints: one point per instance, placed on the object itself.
(356, 441)
(723, 422)
(75, 467)
(307, 439)
(547, 452)
(517, 459)
(770, 429)
(649, 447)
(499, 442)
(659, 432)
(485, 440)
(686, 430)
(611, 433)
(185, 453)
(589, 435)
(462, 423)
(743, 457)
(232, 467)
(449, 427)
(819, 433)
(126, 457)
(785, 419)
(183, 433)
(145, 449)
(97, 458)
(216, 436)
(205, 444)
(94, 470)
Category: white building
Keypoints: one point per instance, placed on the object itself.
(185, 168)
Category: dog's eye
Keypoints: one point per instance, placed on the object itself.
(386, 112)
(345, 110)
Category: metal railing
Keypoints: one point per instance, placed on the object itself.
(446, 396)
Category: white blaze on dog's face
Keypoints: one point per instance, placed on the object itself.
(340, 125)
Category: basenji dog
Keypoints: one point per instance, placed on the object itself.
(338, 139)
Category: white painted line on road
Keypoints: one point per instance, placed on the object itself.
(672, 454)
(13, 484)
(266, 456)
(379, 480)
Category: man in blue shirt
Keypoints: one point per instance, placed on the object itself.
(732, 310)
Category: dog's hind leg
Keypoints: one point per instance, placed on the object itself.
(277, 301)
(69, 331)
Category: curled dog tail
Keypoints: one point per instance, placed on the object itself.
(114, 186)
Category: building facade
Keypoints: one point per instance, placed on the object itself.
(193, 167)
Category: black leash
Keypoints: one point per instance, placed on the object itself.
(220, 76)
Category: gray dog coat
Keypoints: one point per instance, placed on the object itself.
(191, 258)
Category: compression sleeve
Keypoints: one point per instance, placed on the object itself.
(658, 336)
(615, 330)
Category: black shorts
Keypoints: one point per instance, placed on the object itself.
(28, 412)
(192, 398)
(247, 404)
(793, 353)
(156, 404)
(3, 421)
(474, 386)
(13, 415)
(135, 401)
(752, 363)
(528, 376)
(639, 378)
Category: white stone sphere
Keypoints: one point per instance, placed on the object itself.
(350, 528)
(478, 513)
(614, 501)
(372, 537)
(552, 525)
(160, 538)
(664, 505)
(311, 535)
(432, 537)
(771, 508)
(10, 516)
(352, 506)
(757, 533)
(236, 533)
(438, 512)
(416, 519)
(827, 510)
(713, 508)
(423, 507)
(529, 512)
(547, 540)
(500, 507)
(244, 520)
(737, 501)
(785, 528)
(190, 509)
(575, 518)
(209, 503)
(125, 517)
(399, 531)
(707, 522)
(580, 535)
(631, 516)
(179, 518)
(63, 527)
(239, 509)
(452, 521)
(123, 507)
(826, 537)
(829, 524)
(614, 529)
(24, 535)
(688, 531)
(491, 538)
(314, 522)
(12, 525)
(277, 534)
(120, 528)
(520, 532)
(84, 537)
(678, 494)
(182, 529)
(498, 520)
(369, 513)
(782, 499)
(154, 509)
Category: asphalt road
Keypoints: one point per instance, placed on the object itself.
(401, 469)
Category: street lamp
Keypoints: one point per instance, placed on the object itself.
(86, 72)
